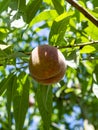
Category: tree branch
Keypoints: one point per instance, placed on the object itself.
(84, 12)
(78, 45)
(69, 46)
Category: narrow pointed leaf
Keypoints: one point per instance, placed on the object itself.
(44, 100)
(4, 4)
(22, 5)
(58, 29)
(59, 8)
(20, 100)
(32, 8)
(4, 83)
(11, 84)
(22, 8)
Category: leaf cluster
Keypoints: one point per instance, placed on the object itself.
(27, 24)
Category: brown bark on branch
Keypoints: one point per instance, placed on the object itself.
(84, 12)
(69, 46)
(78, 45)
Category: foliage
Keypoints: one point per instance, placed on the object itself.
(27, 24)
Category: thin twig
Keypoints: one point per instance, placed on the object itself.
(78, 45)
(84, 12)
(26, 53)
(89, 58)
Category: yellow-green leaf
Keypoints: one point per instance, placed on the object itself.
(87, 49)
(45, 15)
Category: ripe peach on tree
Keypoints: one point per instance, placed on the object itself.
(47, 64)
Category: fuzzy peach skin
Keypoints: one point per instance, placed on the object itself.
(47, 64)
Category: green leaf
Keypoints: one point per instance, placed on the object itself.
(59, 8)
(4, 4)
(49, 2)
(20, 100)
(5, 82)
(32, 8)
(96, 73)
(9, 91)
(92, 31)
(22, 5)
(16, 54)
(44, 100)
(95, 3)
(89, 66)
(3, 55)
(45, 15)
(96, 11)
(3, 34)
(87, 49)
(58, 29)
(14, 4)
(22, 8)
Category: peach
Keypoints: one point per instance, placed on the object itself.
(47, 64)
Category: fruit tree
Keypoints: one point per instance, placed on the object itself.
(48, 64)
